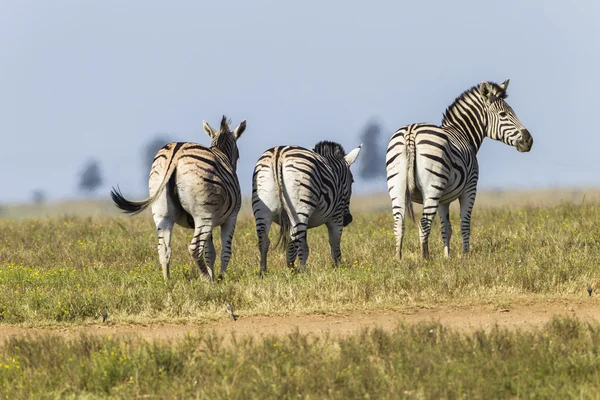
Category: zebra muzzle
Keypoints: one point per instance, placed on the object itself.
(526, 142)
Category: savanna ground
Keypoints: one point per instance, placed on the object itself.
(511, 319)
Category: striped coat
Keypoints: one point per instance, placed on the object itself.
(435, 165)
(196, 187)
(300, 189)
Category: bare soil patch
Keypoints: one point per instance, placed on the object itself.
(524, 317)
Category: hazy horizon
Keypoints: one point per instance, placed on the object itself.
(82, 80)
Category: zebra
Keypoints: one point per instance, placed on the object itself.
(196, 187)
(435, 165)
(300, 189)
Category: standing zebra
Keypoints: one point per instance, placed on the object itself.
(300, 189)
(435, 165)
(196, 187)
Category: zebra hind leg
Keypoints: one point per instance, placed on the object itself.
(263, 219)
(303, 250)
(227, 231)
(163, 231)
(197, 247)
(298, 247)
(430, 206)
(399, 214)
(444, 211)
(291, 253)
(164, 213)
(210, 253)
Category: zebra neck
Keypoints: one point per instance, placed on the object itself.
(466, 123)
(221, 155)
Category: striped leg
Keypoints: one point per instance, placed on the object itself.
(399, 213)
(334, 229)
(164, 246)
(202, 233)
(430, 206)
(210, 253)
(298, 236)
(397, 187)
(291, 253)
(164, 212)
(444, 210)
(466, 200)
(227, 231)
(263, 226)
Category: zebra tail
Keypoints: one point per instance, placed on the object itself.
(410, 172)
(283, 237)
(136, 207)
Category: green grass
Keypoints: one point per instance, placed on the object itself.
(561, 360)
(66, 270)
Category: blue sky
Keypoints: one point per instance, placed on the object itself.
(100, 79)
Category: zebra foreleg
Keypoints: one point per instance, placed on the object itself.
(444, 211)
(334, 229)
(196, 248)
(227, 231)
(467, 200)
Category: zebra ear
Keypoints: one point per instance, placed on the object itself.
(210, 131)
(504, 84)
(237, 132)
(485, 89)
(352, 156)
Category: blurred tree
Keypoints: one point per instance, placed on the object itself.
(150, 150)
(38, 196)
(372, 155)
(91, 177)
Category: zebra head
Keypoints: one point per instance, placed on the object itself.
(226, 140)
(502, 122)
(340, 162)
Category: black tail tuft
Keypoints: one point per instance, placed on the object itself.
(130, 207)
(409, 205)
(283, 237)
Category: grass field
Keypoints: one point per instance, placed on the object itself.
(419, 361)
(63, 271)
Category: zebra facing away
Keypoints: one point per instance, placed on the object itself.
(300, 189)
(435, 165)
(196, 187)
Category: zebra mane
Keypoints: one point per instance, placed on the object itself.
(329, 149)
(496, 91)
(225, 124)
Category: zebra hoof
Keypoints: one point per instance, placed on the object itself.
(220, 277)
(298, 270)
(262, 274)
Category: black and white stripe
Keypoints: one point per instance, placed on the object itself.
(435, 165)
(300, 189)
(196, 187)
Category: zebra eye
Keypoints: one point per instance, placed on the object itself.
(502, 114)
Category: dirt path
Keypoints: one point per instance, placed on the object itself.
(518, 317)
